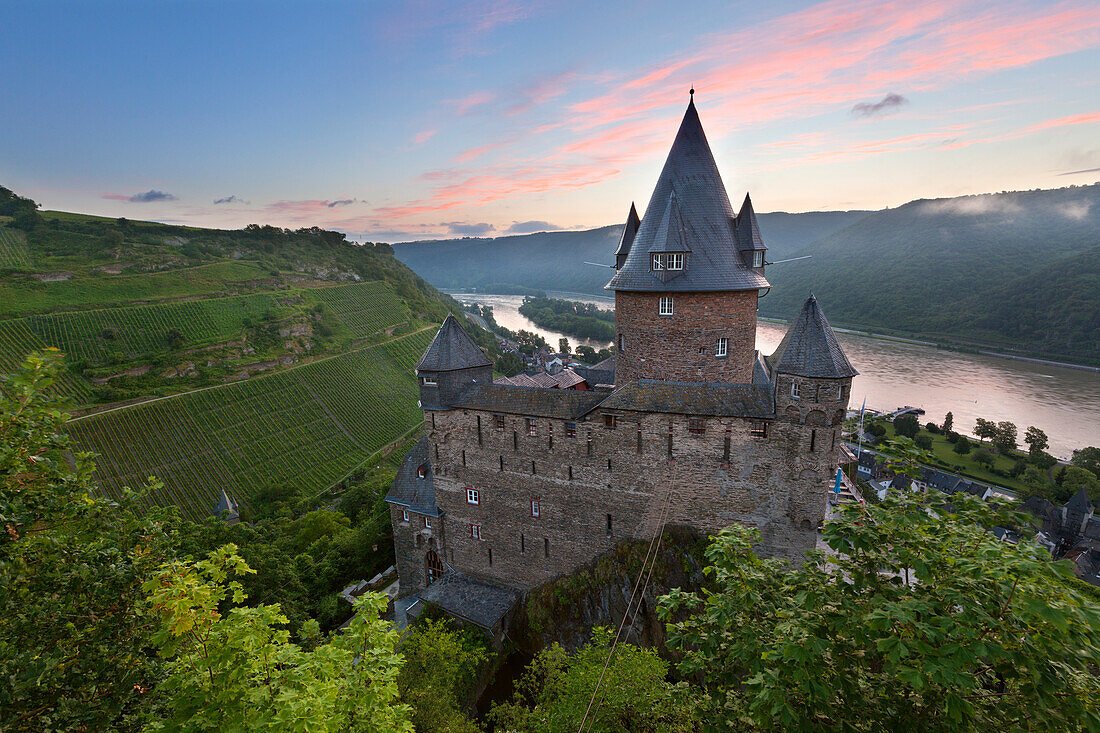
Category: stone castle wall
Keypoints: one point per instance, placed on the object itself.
(681, 347)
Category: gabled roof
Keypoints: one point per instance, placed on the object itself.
(411, 491)
(748, 229)
(477, 601)
(810, 348)
(452, 348)
(708, 223)
(1079, 502)
(692, 398)
(629, 231)
(562, 404)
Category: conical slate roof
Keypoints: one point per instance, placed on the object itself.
(714, 262)
(226, 506)
(1080, 502)
(452, 348)
(629, 231)
(748, 230)
(810, 348)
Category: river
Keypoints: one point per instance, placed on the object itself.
(1063, 402)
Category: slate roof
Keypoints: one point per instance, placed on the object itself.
(688, 211)
(629, 231)
(410, 491)
(692, 398)
(564, 379)
(747, 228)
(1079, 502)
(226, 507)
(477, 601)
(562, 404)
(810, 348)
(452, 348)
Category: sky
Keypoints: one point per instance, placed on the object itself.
(394, 121)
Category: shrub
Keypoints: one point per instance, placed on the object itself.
(923, 441)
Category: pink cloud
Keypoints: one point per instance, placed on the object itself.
(472, 101)
(423, 136)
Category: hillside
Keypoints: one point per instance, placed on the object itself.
(1012, 270)
(245, 360)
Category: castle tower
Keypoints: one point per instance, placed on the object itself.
(451, 362)
(813, 382)
(686, 290)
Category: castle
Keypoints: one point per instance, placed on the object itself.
(512, 486)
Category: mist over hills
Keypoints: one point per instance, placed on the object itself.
(1015, 270)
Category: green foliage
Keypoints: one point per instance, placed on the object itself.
(962, 445)
(556, 689)
(509, 364)
(984, 458)
(441, 669)
(919, 619)
(985, 428)
(907, 426)
(1077, 478)
(904, 457)
(583, 320)
(236, 669)
(924, 442)
(948, 422)
(1036, 441)
(1088, 459)
(72, 637)
(1005, 438)
(876, 429)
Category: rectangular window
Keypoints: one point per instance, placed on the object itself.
(571, 430)
(545, 547)
(429, 381)
(532, 426)
(522, 544)
(536, 508)
(490, 556)
(720, 348)
(608, 525)
(420, 472)
(404, 515)
(665, 308)
(658, 262)
(499, 421)
(427, 522)
(475, 531)
(759, 430)
(796, 390)
(842, 391)
(758, 258)
(697, 426)
(610, 421)
(813, 440)
(676, 262)
(622, 348)
(473, 496)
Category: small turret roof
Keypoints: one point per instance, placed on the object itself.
(451, 349)
(226, 506)
(707, 223)
(748, 229)
(810, 348)
(1079, 502)
(629, 231)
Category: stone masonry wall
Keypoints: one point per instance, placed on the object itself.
(681, 347)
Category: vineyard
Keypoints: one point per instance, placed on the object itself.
(363, 308)
(17, 341)
(304, 427)
(13, 249)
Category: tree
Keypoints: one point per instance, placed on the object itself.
(1077, 478)
(509, 364)
(73, 640)
(876, 429)
(984, 458)
(439, 675)
(919, 619)
(556, 692)
(1036, 441)
(907, 426)
(1087, 458)
(113, 238)
(962, 445)
(923, 442)
(948, 422)
(237, 670)
(985, 429)
(904, 457)
(1005, 438)
(563, 345)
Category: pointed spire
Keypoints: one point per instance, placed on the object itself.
(452, 348)
(748, 229)
(810, 348)
(1080, 502)
(707, 222)
(669, 235)
(227, 508)
(631, 229)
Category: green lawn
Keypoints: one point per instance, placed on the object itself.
(944, 450)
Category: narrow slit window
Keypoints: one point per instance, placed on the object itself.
(479, 430)
(813, 440)
(502, 463)
(490, 557)
(522, 544)
(608, 525)
(427, 522)
(622, 342)
(665, 307)
(536, 508)
(546, 547)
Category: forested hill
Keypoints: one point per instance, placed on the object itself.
(555, 260)
(1012, 270)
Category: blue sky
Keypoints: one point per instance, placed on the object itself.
(412, 120)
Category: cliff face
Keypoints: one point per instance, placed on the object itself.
(565, 610)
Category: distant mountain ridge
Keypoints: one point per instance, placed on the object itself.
(1013, 270)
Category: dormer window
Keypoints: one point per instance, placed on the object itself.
(758, 258)
(658, 262)
(675, 261)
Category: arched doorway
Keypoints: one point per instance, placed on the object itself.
(433, 566)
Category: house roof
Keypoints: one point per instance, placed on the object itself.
(810, 348)
(692, 398)
(451, 349)
(564, 379)
(561, 404)
(1079, 502)
(226, 506)
(688, 211)
(477, 601)
(629, 231)
(408, 489)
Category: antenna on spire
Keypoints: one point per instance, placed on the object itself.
(691, 92)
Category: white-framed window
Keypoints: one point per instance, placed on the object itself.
(427, 522)
(473, 496)
(475, 531)
(429, 381)
(536, 508)
(665, 306)
(721, 346)
(796, 390)
(420, 472)
(758, 258)
(676, 261)
(404, 515)
(658, 262)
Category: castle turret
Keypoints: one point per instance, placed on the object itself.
(685, 297)
(451, 363)
(630, 230)
(749, 240)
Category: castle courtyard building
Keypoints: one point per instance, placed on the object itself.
(512, 486)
